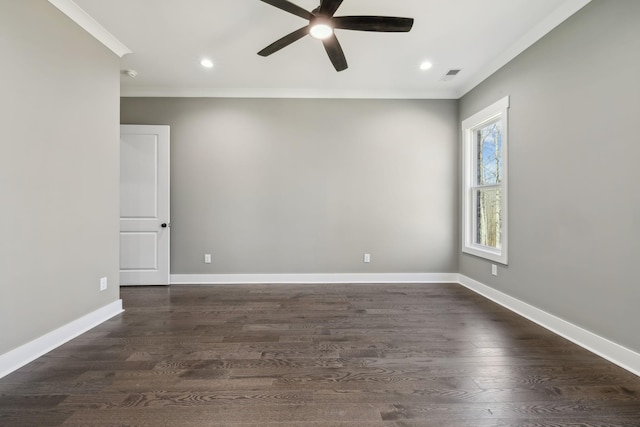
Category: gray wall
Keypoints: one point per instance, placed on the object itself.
(574, 150)
(58, 171)
(309, 186)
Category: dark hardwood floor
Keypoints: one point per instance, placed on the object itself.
(332, 355)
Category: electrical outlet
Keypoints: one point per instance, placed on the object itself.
(367, 258)
(494, 269)
(103, 284)
(207, 258)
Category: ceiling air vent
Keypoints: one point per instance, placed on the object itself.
(450, 74)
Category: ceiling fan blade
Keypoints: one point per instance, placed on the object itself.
(290, 7)
(389, 24)
(334, 50)
(329, 7)
(285, 41)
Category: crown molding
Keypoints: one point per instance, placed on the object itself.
(90, 25)
(194, 92)
(557, 17)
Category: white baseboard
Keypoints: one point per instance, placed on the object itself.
(615, 353)
(27, 353)
(328, 278)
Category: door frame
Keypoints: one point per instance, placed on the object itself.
(163, 197)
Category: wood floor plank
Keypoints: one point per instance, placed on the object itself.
(211, 414)
(192, 399)
(318, 355)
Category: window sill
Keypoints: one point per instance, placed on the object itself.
(498, 256)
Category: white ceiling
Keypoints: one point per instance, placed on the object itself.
(168, 38)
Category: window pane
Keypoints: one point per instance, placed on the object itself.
(489, 218)
(489, 152)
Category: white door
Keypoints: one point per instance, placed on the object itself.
(144, 205)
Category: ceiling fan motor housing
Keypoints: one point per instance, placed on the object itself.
(322, 23)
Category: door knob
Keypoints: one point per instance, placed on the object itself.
(164, 225)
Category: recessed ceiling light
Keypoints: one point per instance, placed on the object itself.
(426, 65)
(321, 31)
(206, 63)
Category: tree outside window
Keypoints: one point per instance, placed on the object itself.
(488, 176)
(485, 183)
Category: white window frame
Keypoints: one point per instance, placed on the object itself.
(496, 111)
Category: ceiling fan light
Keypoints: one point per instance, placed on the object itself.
(321, 31)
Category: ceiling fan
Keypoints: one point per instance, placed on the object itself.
(322, 23)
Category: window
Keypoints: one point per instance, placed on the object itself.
(484, 204)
